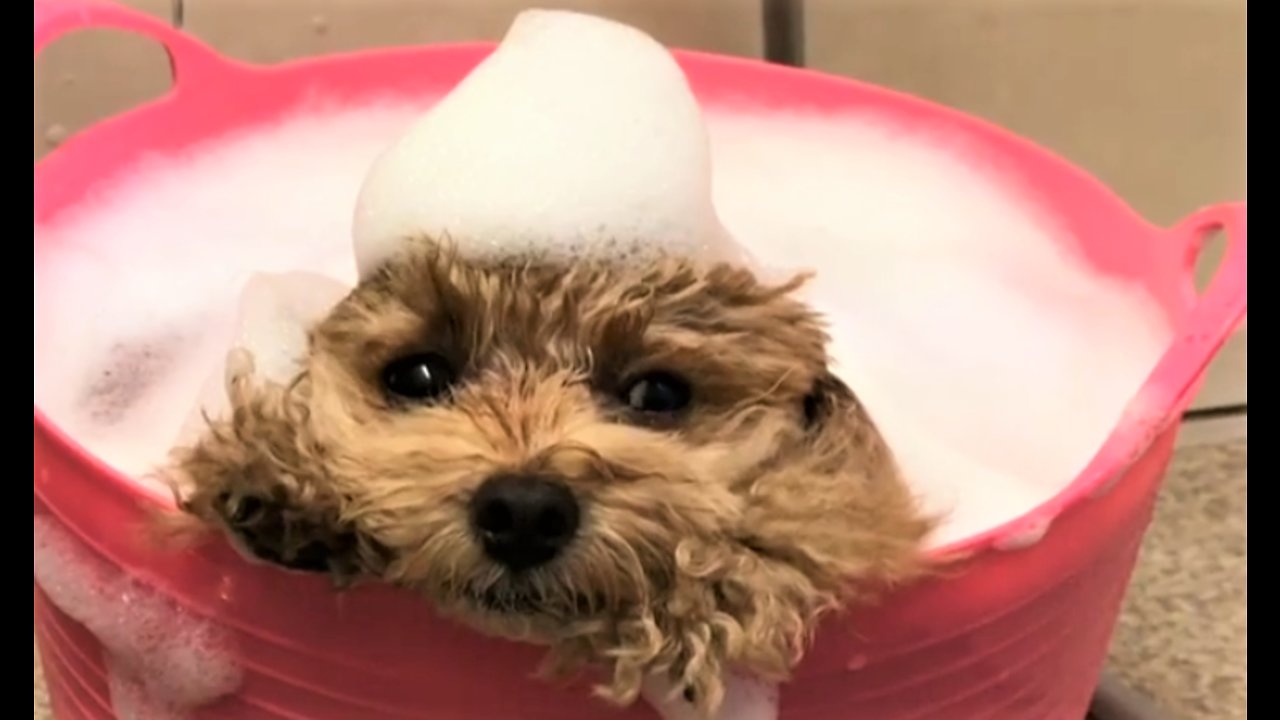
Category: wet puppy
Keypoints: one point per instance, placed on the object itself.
(649, 469)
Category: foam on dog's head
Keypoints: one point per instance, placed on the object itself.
(577, 137)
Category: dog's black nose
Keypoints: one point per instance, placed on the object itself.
(524, 521)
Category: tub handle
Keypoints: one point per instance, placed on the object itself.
(190, 60)
(1214, 316)
(1219, 311)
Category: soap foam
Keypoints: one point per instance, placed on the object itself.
(162, 662)
(273, 316)
(578, 136)
(136, 288)
(990, 356)
(745, 698)
(992, 360)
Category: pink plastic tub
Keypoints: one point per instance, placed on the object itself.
(1015, 634)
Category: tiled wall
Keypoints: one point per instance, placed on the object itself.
(1147, 94)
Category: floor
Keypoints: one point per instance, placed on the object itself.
(1183, 638)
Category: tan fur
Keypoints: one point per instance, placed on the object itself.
(713, 541)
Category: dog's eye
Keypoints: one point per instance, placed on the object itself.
(658, 392)
(424, 376)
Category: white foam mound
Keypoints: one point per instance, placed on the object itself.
(577, 137)
(162, 661)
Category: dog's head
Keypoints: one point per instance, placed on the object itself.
(652, 464)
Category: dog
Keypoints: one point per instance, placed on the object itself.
(648, 468)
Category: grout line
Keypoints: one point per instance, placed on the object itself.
(1216, 412)
(1219, 428)
(783, 26)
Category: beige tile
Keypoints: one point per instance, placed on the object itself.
(285, 29)
(1209, 431)
(1150, 96)
(92, 74)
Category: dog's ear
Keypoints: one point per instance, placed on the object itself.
(830, 522)
(258, 476)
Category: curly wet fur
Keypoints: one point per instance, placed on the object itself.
(712, 540)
